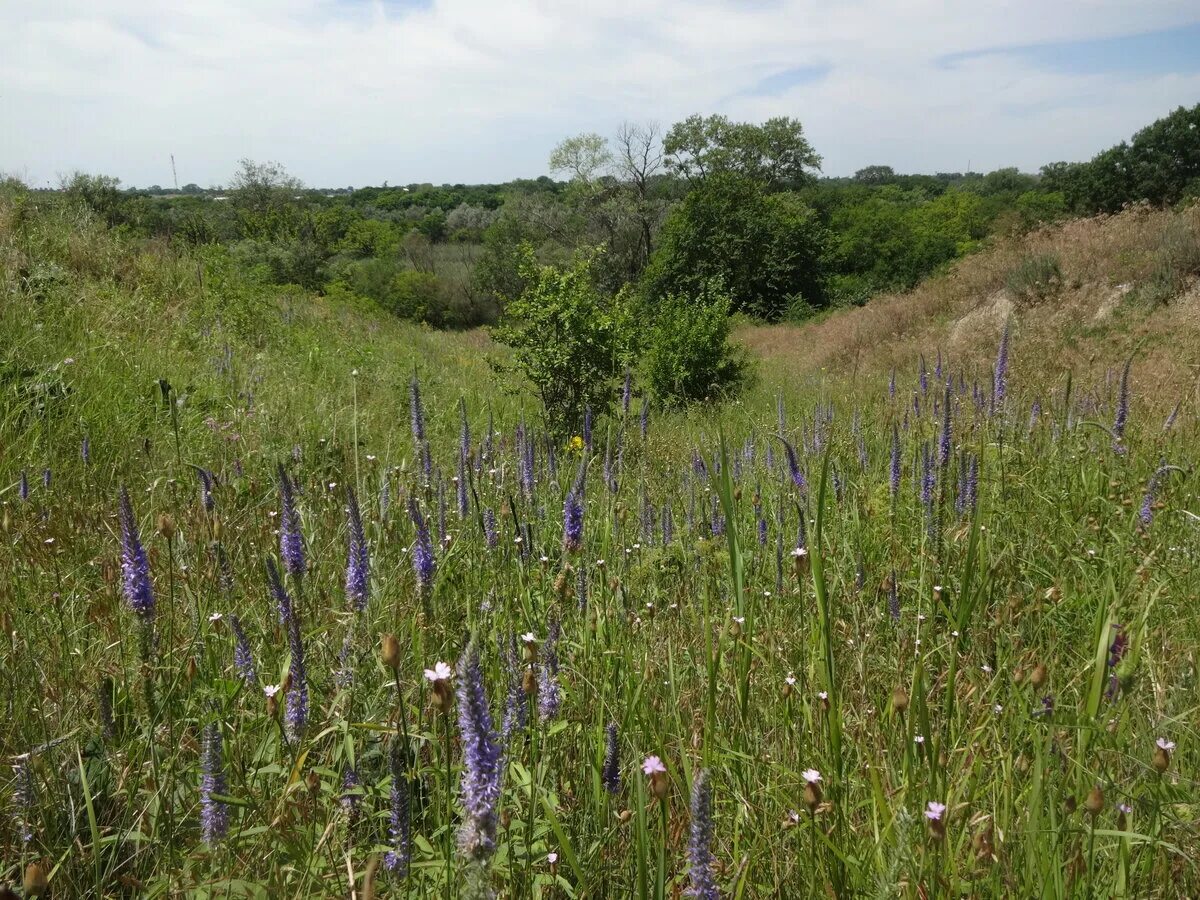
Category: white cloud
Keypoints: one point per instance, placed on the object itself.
(472, 90)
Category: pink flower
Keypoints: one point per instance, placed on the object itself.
(653, 764)
(934, 811)
(440, 672)
(812, 776)
(1164, 744)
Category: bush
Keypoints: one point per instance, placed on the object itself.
(687, 355)
(1035, 278)
(570, 340)
(1176, 262)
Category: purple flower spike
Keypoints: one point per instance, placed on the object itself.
(214, 813)
(134, 564)
(611, 774)
(291, 542)
(424, 564)
(358, 565)
(482, 763)
(700, 872)
(399, 828)
(572, 523)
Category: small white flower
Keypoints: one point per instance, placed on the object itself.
(812, 776)
(918, 739)
(791, 678)
(552, 858)
(529, 638)
(271, 690)
(998, 708)
(216, 617)
(440, 672)
(741, 620)
(1164, 744)
(986, 669)
(823, 695)
(800, 552)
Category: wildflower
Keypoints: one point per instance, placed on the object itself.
(439, 678)
(23, 486)
(548, 690)
(1000, 372)
(794, 466)
(644, 422)
(134, 564)
(243, 660)
(490, 534)
(291, 542)
(351, 799)
(1162, 755)
(918, 739)
(23, 798)
(700, 871)
(812, 789)
(945, 439)
(1122, 414)
(424, 564)
(296, 716)
(572, 523)
(85, 450)
(278, 593)
(206, 488)
(399, 827)
(611, 773)
(482, 764)
(516, 708)
(935, 812)
(654, 769)
(214, 813)
(358, 563)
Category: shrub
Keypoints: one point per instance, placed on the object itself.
(687, 354)
(570, 340)
(1176, 262)
(1035, 278)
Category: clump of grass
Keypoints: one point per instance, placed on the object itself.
(1035, 279)
(1176, 262)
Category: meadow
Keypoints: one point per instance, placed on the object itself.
(300, 600)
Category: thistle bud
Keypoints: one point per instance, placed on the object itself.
(1162, 755)
(272, 705)
(899, 700)
(624, 816)
(1037, 677)
(812, 795)
(36, 881)
(389, 652)
(529, 681)
(192, 669)
(1095, 801)
(313, 781)
(166, 526)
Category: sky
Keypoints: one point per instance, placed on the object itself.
(357, 92)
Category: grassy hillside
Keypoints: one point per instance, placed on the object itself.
(829, 638)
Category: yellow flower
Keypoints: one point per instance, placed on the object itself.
(575, 445)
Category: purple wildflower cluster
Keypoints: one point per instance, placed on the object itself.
(482, 762)
(134, 565)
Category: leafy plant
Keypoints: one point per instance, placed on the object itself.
(687, 355)
(569, 340)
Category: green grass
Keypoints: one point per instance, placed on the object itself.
(688, 646)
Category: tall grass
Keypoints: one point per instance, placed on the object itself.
(1045, 639)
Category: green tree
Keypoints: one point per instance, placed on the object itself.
(570, 340)
(765, 247)
(775, 154)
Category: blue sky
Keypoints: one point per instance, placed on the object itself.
(352, 92)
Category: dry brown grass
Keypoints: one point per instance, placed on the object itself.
(1092, 324)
